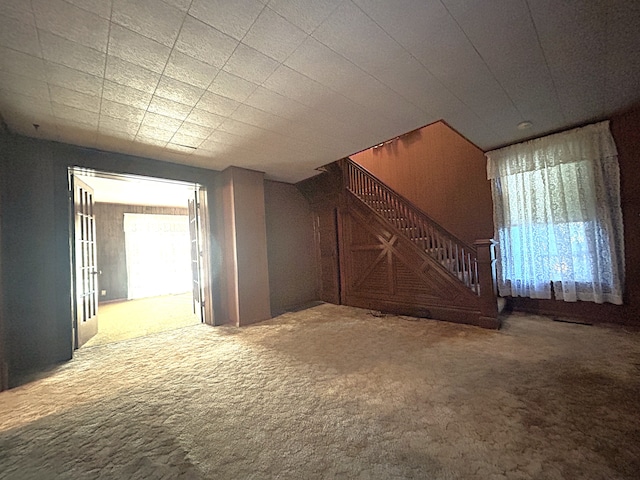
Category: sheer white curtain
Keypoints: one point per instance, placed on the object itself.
(557, 216)
(158, 249)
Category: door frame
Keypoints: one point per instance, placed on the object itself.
(203, 220)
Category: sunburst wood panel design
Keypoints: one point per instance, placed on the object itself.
(382, 269)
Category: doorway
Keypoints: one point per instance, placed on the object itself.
(139, 256)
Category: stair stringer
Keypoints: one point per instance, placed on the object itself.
(382, 269)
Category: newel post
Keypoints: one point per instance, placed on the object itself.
(486, 250)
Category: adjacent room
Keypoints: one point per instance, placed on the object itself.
(144, 265)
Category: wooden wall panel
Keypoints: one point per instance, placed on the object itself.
(442, 173)
(382, 270)
(327, 244)
(112, 261)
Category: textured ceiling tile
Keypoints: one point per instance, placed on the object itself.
(242, 129)
(119, 110)
(105, 133)
(73, 79)
(306, 14)
(75, 99)
(205, 43)
(153, 136)
(220, 137)
(137, 49)
(275, 103)
(73, 23)
(161, 121)
(274, 36)
(189, 70)
(130, 75)
(217, 104)
(73, 55)
(292, 84)
(195, 130)
(113, 142)
(355, 36)
(19, 36)
(231, 86)
(182, 5)
(258, 118)
(186, 140)
(250, 64)
(158, 134)
(512, 56)
(233, 18)
(151, 18)
(18, 105)
(177, 91)
(21, 63)
(577, 60)
(18, 10)
(118, 124)
(17, 120)
(24, 126)
(322, 64)
(211, 148)
(204, 118)
(413, 23)
(101, 8)
(416, 83)
(11, 82)
(75, 115)
(176, 147)
(125, 95)
(77, 134)
(169, 108)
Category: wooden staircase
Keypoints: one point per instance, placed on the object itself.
(394, 257)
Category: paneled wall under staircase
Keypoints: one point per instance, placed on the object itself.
(383, 270)
(371, 260)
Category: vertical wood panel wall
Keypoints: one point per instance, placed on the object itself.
(111, 245)
(442, 173)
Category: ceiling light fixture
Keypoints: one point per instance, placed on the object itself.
(524, 125)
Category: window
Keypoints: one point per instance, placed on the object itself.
(557, 216)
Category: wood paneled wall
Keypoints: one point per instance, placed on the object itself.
(324, 193)
(112, 262)
(442, 173)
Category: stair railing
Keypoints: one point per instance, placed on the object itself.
(459, 258)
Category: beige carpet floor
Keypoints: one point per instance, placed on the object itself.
(127, 319)
(333, 392)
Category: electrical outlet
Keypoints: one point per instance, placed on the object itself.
(103, 293)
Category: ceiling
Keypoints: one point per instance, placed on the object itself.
(284, 86)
